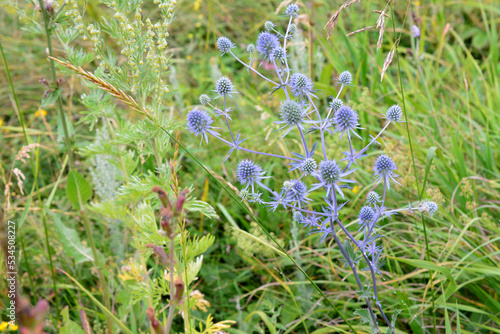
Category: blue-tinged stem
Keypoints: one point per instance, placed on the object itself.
(372, 141)
(256, 152)
(227, 121)
(251, 68)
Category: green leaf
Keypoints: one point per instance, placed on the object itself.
(50, 98)
(431, 153)
(71, 241)
(366, 318)
(69, 327)
(77, 189)
(432, 266)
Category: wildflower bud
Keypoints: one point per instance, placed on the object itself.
(415, 31)
(300, 84)
(308, 166)
(366, 215)
(298, 216)
(162, 195)
(250, 48)
(43, 81)
(31, 319)
(279, 54)
(179, 289)
(291, 112)
(245, 194)
(160, 253)
(155, 323)
(394, 113)
(266, 43)
(292, 10)
(292, 28)
(180, 200)
(204, 99)
(372, 198)
(287, 185)
(223, 86)
(329, 171)
(429, 207)
(345, 78)
(224, 44)
(269, 25)
(336, 104)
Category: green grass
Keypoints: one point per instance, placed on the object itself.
(447, 273)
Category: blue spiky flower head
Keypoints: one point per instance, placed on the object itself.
(301, 85)
(295, 190)
(345, 78)
(199, 122)
(330, 171)
(429, 207)
(224, 44)
(384, 169)
(366, 215)
(204, 99)
(308, 166)
(291, 112)
(298, 216)
(249, 172)
(224, 86)
(346, 119)
(372, 198)
(394, 113)
(269, 25)
(292, 10)
(266, 43)
(279, 54)
(336, 104)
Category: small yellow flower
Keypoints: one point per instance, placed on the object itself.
(1, 122)
(3, 326)
(13, 327)
(189, 57)
(40, 113)
(190, 35)
(355, 189)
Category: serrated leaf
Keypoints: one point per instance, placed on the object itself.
(77, 189)
(365, 316)
(197, 246)
(202, 207)
(71, 241)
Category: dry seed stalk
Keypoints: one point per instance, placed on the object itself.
(334, 19)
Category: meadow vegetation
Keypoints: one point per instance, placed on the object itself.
(126, 224)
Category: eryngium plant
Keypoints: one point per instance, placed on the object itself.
(299, 112)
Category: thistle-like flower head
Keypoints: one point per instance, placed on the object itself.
(301, 85)
(204, 99)
(429, 207)
(308, 166)
(298, 216)
(249, 172)
(330, 171)
(269, 25)
(224, 87)
(224, 44)
(266, 43)
(250, 48)
(199, 122)
(296, 191)
(292, 10)
(336, 104)
(292, 112)
(394, 113)
(415, 31)
(345, 78)
(366, 215)
(372, 198)
(292, 29)
(278, 55)
(384, 169)
(346, 119)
